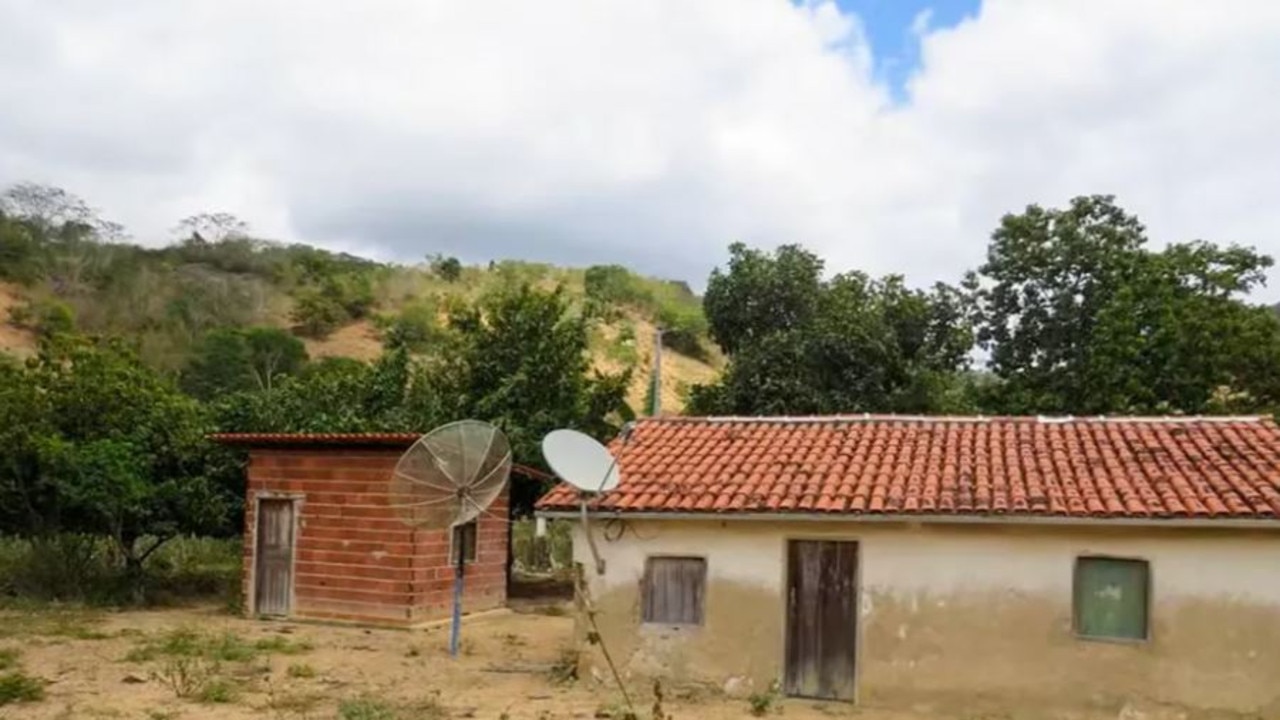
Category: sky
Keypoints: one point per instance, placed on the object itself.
(886, 135)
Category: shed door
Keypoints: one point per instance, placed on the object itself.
(822, 619)
(273, 581)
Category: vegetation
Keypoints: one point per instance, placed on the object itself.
(1078, 315)
(138, 353)
(18, 687)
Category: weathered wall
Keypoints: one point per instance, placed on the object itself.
(355, 560)
(962, 614)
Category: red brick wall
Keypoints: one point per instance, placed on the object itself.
(354, 558)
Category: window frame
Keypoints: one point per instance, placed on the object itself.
(1147, 601)
(460, 530)
(647, 578)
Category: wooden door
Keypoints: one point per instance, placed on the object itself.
(273, 567)
(822, 619)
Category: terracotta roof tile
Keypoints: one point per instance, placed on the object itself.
(1221, 467)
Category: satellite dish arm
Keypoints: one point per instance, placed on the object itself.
(586, 527)
(591, 542)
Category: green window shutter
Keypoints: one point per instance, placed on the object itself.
(1111, 598)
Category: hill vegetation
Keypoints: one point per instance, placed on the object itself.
(64, 268)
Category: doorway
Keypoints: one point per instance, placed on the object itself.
(273, 562)
(822, 619)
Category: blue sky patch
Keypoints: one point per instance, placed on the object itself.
(892, 28)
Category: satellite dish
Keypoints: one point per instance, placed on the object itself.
(581, 461)
(446, 479)
(451, 475)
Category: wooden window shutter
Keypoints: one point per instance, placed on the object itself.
(674, 590)
(1111, 598)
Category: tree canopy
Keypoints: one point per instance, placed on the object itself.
(1081, 316)
(799, 344)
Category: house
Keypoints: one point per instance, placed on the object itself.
(322, 541)
(913, 560)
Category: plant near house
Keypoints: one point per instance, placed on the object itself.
(763, 703)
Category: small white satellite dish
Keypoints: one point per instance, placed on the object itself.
(581, 461)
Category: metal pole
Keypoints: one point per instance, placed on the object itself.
(656, 405)
(456, 630)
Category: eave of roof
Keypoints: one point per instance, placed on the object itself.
(345, 440)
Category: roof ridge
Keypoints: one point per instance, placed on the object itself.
(891, 417)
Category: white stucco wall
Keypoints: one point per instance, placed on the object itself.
(939, 603)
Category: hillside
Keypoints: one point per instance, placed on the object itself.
(341, 306)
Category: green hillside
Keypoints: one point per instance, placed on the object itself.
(62, 267)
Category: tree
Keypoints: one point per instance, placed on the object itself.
(230, 360)
(211, 228)
(761, 294)
(850, 344)
(1081, 317)
(107, 447)
(448, 269)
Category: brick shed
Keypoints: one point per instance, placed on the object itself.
(322, 542)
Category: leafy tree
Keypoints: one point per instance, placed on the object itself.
(521, 361)
(448, 269)
(850, 344)
(109, 447)
(234, 359)
(20, 251)
(205, 228)
(1081, 317)
(330, 395)
(762, 294)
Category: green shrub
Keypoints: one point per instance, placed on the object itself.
(87, 569)
(47, 318)
(317, 314)
(448, 269)
(8, 658)
(16, 686)
(301, 670)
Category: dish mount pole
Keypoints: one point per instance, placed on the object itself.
(455, 629)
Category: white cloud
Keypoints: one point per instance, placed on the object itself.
(652, 133)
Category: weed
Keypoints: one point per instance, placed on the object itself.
(217, 690)
(372, 707)
(8, 658)
(16, 686)
(161, 715)
(366, 707)
(763, 703)
(187, 676)
(301, 670)
(283, 645)
(565, 668)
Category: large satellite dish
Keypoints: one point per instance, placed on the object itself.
(451, 475)
(580, 460)
(445, 480)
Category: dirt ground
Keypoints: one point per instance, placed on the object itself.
(136, 664)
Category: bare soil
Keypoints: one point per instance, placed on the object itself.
(98, 666)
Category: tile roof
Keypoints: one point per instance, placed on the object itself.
(1226, 467)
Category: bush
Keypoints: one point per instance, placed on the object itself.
(317, 314)
(448, 269)
(88, 569)
(46, 318)
(17, 686)
(417, 327)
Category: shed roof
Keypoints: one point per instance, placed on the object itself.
(1091, 468)
(343, 440)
